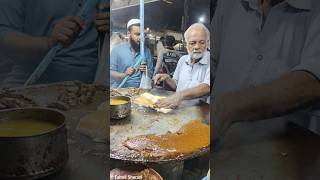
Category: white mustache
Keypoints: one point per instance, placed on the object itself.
(196, 54)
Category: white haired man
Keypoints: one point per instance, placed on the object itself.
(191, 78)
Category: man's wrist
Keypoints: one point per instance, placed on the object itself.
(49, 43)
(182, 95)
(124, 74)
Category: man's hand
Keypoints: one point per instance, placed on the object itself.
(158, 78)
(170, 102)
(66, 30)
(130, 71)
(103, 18)
(143, 68)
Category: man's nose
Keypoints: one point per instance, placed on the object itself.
(197, 46)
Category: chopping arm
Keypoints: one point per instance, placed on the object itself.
(84, 11)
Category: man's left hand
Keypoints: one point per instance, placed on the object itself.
(170, 102)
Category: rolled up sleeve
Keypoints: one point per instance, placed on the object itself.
(310, 58)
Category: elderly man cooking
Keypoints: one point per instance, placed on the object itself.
(191, 78)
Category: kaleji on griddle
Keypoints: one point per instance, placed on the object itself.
(192, 137)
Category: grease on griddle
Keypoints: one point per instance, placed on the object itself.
(12, 99)
(114, 92)
(192, 137)
(130, 91)
(135, 91)
(73, 96)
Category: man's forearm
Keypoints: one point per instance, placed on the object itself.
(117, 75)
(195, 92)
(290, 92)
(171, 83)
(19, 45)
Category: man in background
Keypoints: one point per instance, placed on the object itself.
(167, 58)
(124, 56)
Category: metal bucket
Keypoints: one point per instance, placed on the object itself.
(120, 111)
(34, 156)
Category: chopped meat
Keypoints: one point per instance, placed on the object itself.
(12, 99)
(193, 136)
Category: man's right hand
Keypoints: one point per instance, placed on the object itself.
(160, 77)
(130, 71)
(66, 30)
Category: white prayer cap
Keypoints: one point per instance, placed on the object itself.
(132, 22)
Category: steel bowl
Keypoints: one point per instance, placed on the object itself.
(33, 156)
(120, 111)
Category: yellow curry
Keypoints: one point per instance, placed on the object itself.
(24, 127)
(117, 102)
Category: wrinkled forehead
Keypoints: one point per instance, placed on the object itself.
(197, 34)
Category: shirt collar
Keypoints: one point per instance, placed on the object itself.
(299, 4)
(203, 60)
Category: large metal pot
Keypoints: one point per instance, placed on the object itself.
(35, 156)
(120, 111)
